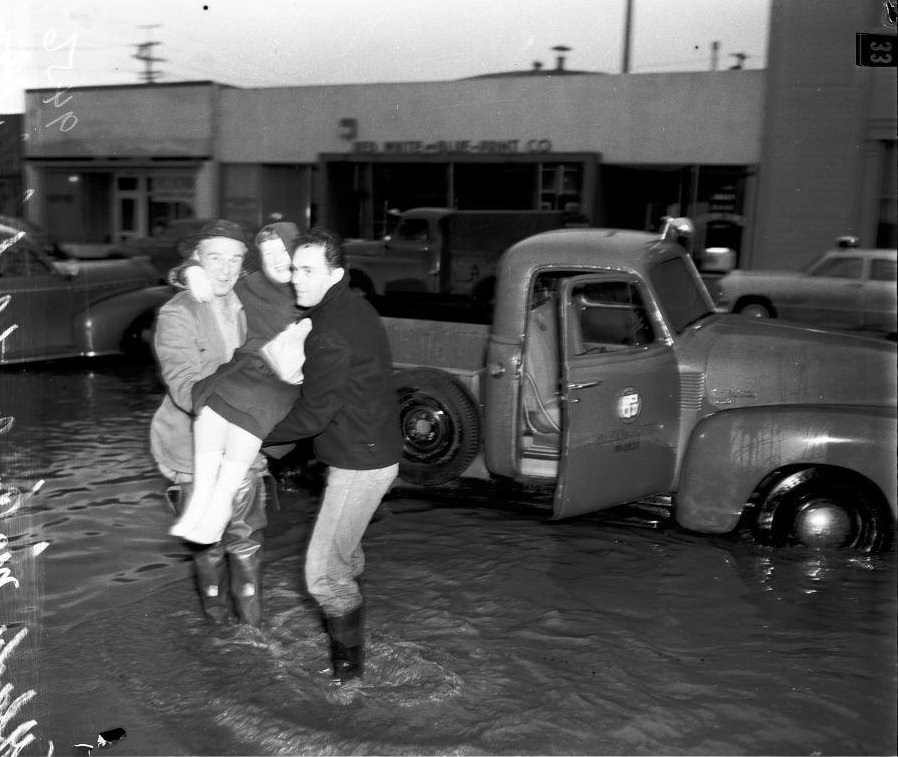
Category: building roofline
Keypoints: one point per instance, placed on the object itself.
(138, 85)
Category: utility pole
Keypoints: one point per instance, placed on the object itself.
(628, 24)
(145, 54)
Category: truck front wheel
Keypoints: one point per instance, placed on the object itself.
(823, 508)
(440, 427)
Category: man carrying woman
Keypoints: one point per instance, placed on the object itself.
(347, 404)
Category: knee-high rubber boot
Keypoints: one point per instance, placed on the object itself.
(246, 586)
(211, 577)
(347, 645)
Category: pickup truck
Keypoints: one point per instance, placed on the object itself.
(443, 251)
(608, 377)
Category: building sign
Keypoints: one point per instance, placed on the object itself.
(878, 50)
(455, 147)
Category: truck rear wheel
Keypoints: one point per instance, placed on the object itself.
(440, 427)
(823, 508)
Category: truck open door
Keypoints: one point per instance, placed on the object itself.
(620, 396)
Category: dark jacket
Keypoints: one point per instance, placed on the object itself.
(348, 402)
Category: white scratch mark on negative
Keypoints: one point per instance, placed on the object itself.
(39, 547)
(7, 243)
(8, 331)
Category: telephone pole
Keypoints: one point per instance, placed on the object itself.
(145, 54)
(628, 24)
(715, 55)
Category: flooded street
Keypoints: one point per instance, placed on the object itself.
(490, 629)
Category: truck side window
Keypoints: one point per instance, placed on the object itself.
(413, 230)
(611, 315)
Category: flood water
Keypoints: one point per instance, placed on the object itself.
(490, 629)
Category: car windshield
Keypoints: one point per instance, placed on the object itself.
(837, 267)
(681, 297)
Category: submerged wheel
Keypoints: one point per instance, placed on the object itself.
(440, 427)
(824, 509)
(755, 308)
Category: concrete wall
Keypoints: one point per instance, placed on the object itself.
(173, 120)
(698, 117)
(818, 107)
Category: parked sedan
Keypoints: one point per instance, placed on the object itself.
(52, 308)
(843, 289)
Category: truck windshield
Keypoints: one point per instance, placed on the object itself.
(682, 298)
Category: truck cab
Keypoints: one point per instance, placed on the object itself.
(443, 250)
(609, 376)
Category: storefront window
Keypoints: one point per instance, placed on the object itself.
(495, 186)
(77, 206)
(170, 198)
(560, 187)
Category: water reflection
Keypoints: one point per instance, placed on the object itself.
(492, 629)
(83, 430)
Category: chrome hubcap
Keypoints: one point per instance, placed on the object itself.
(823, 523)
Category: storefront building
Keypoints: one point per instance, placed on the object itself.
(740, 151)
(120, 162)
(621, 151)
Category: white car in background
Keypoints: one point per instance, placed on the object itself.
(850, 289)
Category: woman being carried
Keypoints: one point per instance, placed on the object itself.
(238, 405)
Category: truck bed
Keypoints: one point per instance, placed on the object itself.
(438, 344)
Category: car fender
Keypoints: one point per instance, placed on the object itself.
(731, 452)
(102, 324)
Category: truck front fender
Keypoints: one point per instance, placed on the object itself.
(102, 325)
(731, 452)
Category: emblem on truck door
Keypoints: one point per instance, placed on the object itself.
(629, 404)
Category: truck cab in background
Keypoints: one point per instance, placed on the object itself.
(444, 251)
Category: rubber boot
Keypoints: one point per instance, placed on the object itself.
(246, 587)
(347, 647)
(211, 578)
